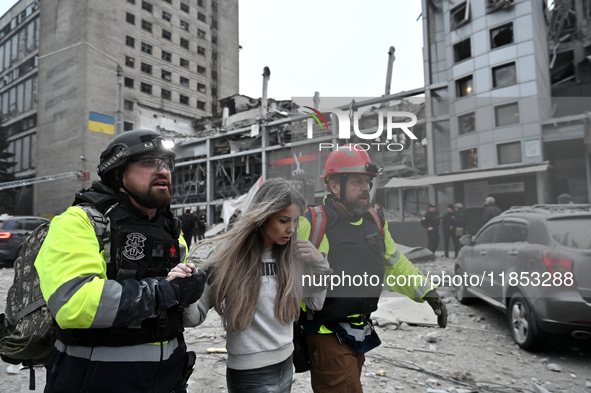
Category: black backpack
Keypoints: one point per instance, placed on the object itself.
(27, 328)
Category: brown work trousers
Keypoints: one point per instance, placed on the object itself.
(335, 367)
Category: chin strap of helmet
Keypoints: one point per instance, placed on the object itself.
(344, 178)
(128, 192)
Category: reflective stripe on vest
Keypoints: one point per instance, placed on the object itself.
(131, 353)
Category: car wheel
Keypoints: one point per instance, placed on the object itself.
(462, 294)
(521, 322)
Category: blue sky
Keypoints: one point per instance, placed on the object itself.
(336, 47)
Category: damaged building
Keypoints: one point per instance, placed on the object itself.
(507, 102)
(74, 73)
(265, 138)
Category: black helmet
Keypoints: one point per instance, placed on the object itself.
(127, 145)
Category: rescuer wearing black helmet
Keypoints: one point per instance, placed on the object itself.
(126, 148)
(115, 313)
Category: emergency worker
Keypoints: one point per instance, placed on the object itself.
(341, 332)
(430, 222)
(119, 322)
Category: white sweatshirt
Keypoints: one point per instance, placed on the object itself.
(266, 341)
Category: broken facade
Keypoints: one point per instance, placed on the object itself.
(506, 88)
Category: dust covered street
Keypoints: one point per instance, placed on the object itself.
(474, 354)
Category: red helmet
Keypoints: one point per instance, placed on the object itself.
(350, 158)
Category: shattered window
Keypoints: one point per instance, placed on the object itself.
(462, 50)
(504, 75)
(467, 123)
(502, 35)
(460, 15)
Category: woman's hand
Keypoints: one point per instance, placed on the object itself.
(181, 271)
(305, 251)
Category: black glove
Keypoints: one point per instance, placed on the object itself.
(438, 307)
(189, 289)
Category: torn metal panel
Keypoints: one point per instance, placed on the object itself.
(497, 5)
(562, 22)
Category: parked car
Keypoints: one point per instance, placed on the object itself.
(13, 232)
(533, 263)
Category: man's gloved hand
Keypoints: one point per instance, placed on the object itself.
(438, 307)
(189, 289)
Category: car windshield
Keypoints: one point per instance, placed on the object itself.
(2, 224)
(571, 232)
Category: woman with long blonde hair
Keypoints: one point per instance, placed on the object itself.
(255, 285)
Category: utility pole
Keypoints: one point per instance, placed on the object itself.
(391, 59)
(266, 77)
(119, 125)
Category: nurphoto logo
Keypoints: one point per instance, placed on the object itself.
(344, 125)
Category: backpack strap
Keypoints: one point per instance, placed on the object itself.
(100, 222)
(25, 311)
(377, 219)
(318, 228)
(319, 221)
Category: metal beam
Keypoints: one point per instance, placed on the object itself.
(35, 180)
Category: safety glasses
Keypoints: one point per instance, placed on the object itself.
(156, 164)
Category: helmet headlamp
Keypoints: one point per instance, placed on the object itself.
(374, 168)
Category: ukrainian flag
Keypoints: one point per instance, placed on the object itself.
(101, 123)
